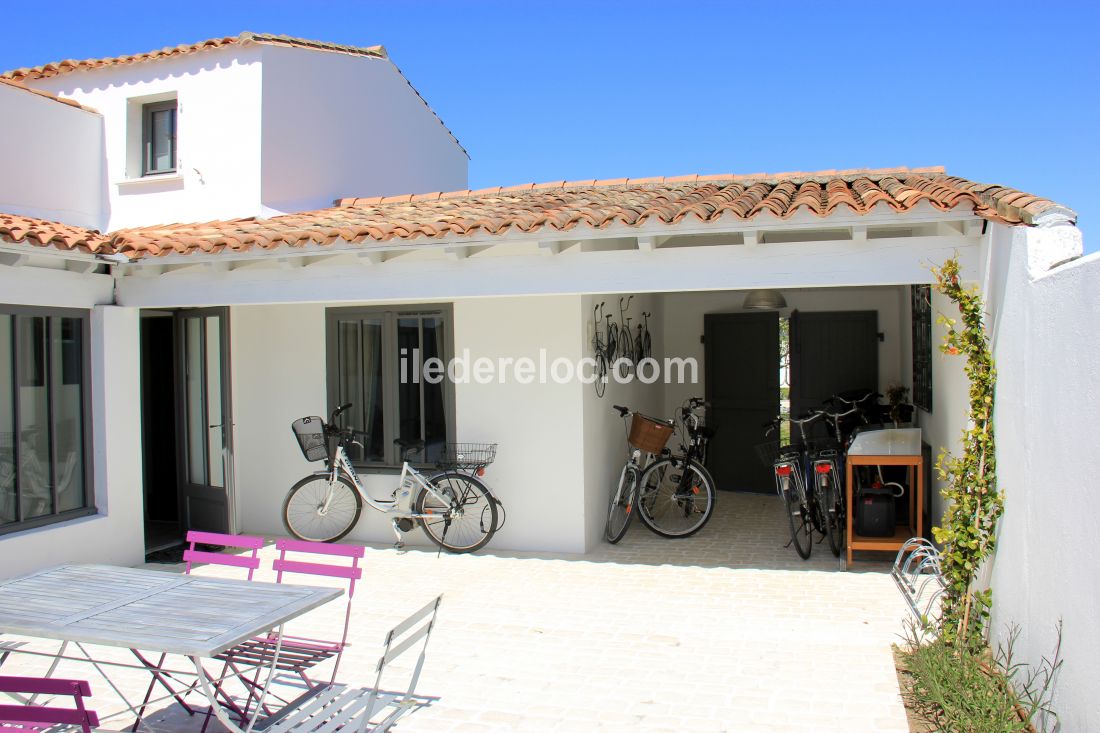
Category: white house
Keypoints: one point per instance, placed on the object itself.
(153, 370)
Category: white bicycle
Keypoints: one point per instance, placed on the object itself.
(454, 508)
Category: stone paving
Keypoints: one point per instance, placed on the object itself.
(725, 631)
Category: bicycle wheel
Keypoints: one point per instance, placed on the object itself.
(833, 511)
(800, 524)
(304, 510)
(612, 344)
(601, 374)
(621, 509)
(625, 352)
(468, 518)
(647, 345)
(667, 510)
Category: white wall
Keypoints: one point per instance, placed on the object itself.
(539, 473)
(218, 134)
(52, 155)
(1048, 409)
(942, 428)
(682, 325)
(278, 363)
(115, 535)
(337, 125)
(605, 447)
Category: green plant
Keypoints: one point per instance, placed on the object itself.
(897, 396)
(961, 691)
(968, 531)
(1034, 685)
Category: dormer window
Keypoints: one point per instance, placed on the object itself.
(158, 138)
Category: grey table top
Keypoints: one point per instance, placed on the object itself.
(149, 609)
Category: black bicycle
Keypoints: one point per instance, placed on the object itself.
(807, 479)
(678, 494)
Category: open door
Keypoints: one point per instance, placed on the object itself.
(204, 431)
(742, 387)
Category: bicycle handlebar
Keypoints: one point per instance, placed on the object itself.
(856, 401)
(336, 413)
(623, 411)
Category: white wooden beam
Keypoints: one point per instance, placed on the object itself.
(650, 242)
(550, 248)
(371, 258)
(12, 260)
(752, 237)
(834, 263)
(84, 267)
(456, 253)
(859, 232)
(146, 270)
(973, 227)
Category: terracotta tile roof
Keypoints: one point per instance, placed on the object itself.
(566, 205)
(60, 67)
(41, 233)
(47, 95)
(562, 206)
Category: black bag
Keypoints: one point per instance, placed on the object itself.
(875, 512)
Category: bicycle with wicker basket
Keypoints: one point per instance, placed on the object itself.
(673, 493)
(453, 506)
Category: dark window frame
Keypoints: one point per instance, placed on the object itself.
(88, 473)
(147, 111)
(389, 314)
(920, 298)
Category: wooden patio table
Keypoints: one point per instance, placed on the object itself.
(153, 611)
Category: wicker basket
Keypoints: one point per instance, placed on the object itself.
(648, 434)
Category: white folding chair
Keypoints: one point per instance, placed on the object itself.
(363, 709)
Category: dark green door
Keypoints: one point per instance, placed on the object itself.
(831, 352)
(742, 387)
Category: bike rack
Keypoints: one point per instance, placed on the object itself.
(918, 576)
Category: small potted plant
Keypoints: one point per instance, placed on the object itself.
(900, 409)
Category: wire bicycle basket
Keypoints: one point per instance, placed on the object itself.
(467, 456)
(310, 432)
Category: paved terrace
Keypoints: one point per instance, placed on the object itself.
(726, 631)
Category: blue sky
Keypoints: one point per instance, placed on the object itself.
(999, 91)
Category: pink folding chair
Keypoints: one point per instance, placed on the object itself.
(297, 654)
(249, 562)
(36, 718)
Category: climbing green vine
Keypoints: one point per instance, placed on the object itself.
(967, 533)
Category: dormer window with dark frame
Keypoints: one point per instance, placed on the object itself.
(158, 138)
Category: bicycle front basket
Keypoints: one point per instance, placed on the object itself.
(649, 434)
(310, 432)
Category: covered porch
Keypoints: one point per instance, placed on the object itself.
(517, 295)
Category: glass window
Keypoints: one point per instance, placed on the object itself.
(159, 137)
(376, 362)
(43, 417)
